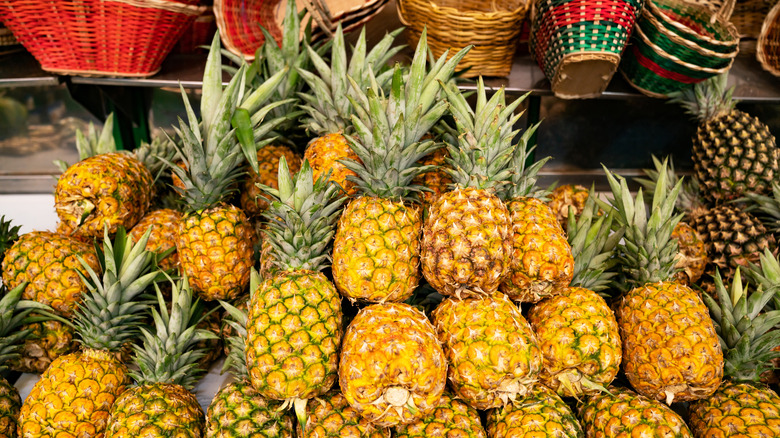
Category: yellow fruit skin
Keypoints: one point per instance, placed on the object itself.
(156, 410)
(376, 250)
(437, 180)
(391, 349)
(579, 338)
(452, 418)
(10, 405)
(737, 410)
(621, 413)
(670, 347)
(542, 414)
(330, 416)
(493, 355)
(692, 254)
(467, 242)
(113, 189)
(268, 165)
(47, 341)
(164, 224)
(293, 335)
(216, 251)
(50, 263)
(541, 264)
(239, 411)
(323, 154)
(565, 196)
(74, 396)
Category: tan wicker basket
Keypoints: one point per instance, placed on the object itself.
(768, 47)
(491, 26)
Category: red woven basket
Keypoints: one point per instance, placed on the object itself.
(127, 38)
(239, 24)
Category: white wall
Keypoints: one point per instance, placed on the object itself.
(33, 212)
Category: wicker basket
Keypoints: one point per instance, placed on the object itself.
(199, 33)
(239, 23)
(768, 48)
(126, 38)
(492, 27)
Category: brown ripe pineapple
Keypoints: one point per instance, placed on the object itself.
(47, 341)
(452, 418)
(692, 255)
(268, 163)
(542, 414)
(670, 348)
(330, 416)
(437, 180)
(567, 196)
(164, 224)
(494, 358)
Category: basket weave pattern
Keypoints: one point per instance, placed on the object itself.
(239, 24)
(768, 48)
(98, 37)
(491, 26)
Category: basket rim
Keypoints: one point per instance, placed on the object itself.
(770, 19)
(653, 9)
(638, 31)
(688, 43)
(644, 91)
(170, 6)
(449, 10)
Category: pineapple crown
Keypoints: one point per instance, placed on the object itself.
(8, 235)
(153, 153)
(213, 152)
(593, 244)
(111, 311)
(766, 273)
(301, 217)
(168, 355)
(93, 143)
(745, 329)
(766, 208)
(689, 200)
(706, 99)
(237, 318)
(482, 157)
(329, 106)
(647, 252)
(523, 177)
(389, 128)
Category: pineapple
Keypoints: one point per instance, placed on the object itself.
(295, 320)
(467, 236)
(8, 235)
(733, 153)
(268, 162)
(47, 341)
(742, 406)
(376, 250)
(328, 104)
(164, 224)
(330, 416)
(160, 403)
(237, 409)
(567, 196)
(493, 355)
(541, 413)
(577, 331)
(620, 412)
(393, 369)
(215, 241)
(437, 180)
(541, 264)
(75, 394)
(452, 418)
(670, 347)
(692, 254)
(766, 208)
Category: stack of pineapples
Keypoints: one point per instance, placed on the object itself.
(400, 275)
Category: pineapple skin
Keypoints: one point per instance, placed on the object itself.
(624, 413)
(330, 416)
(493, 355)
(157, 409)
(452, 418)
(293, 335)
(692, 254)
(238, 410)
(737, 409)
(542, 414)
(323, 154)
(467, 243)
(268, 164)
(670, 346)
(48, 340)
(541, 264)
(49, 261)
(216, 249)
(376, 250)
(117, 186)
(165, 224)
(565, 196)
(74, 396)
(437, 180)
(389, 349)
(10, 405)
(579, 338)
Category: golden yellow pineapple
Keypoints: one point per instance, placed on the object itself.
(467, 236)
(692, 254)
(75, 393)
(376, 250)
(164, 223)
(541, 414)
(567, 196)
(267, 163)
(50, 263)
(47, 341)
(670, 347)
(737, 410)
(494, 358)
(324, 153)
(622, 413)
(452, 418)
(393, 369)
(330, 416)
(437, 180)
